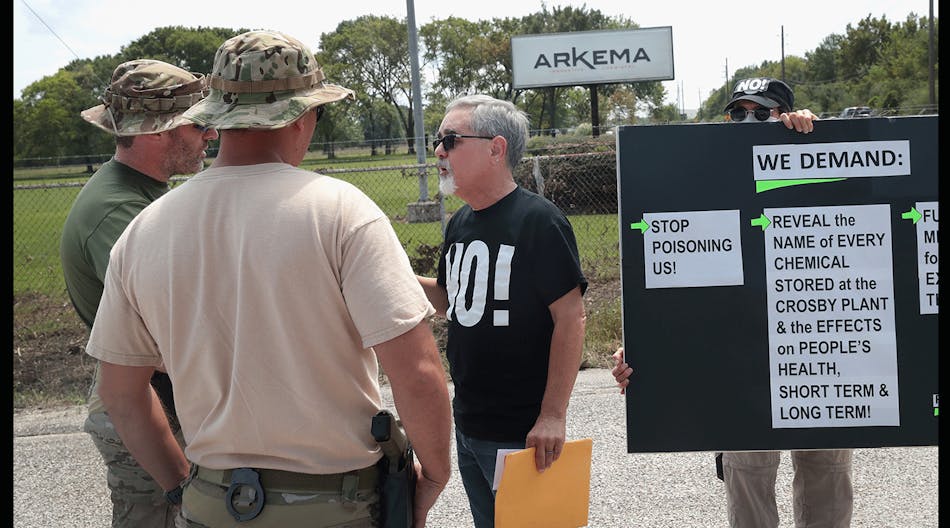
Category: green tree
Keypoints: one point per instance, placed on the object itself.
(47, 122)
(468, 56)
(337, 125)
(46, 118)
(861, 47)
(667, 113)
(898, 81)
(191, 49)
(822, 63)
(371, 56)
(379, 124)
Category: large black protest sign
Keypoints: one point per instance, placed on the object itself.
(780, 289)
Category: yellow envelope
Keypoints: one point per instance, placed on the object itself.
(557, 498)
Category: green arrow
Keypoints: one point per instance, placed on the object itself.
(642, 225)
(913, 214)
(762, 220)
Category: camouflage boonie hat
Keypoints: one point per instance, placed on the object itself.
(263, 80)
(146, 97)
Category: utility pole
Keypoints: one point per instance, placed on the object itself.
(930, 57)
(418, 122)
(679, 96)
(725, 89)
(783, 53)
(422, 210)
(594, 111)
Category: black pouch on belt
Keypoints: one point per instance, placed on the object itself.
(397, 472)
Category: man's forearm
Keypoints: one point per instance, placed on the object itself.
(140, 420)
(420, 391)
(436, 294)
(567, 344)
(427, 417)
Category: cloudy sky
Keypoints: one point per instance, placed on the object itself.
(707, 39)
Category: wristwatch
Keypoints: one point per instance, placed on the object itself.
(173, 496)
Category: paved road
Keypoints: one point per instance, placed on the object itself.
(58, 479)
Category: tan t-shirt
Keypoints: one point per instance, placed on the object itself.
(261, 289)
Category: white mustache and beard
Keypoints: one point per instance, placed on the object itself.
(447, 182)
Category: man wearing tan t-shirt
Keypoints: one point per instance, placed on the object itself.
(268, 293)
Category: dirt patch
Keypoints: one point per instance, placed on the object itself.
(50, 367)
(601, 292)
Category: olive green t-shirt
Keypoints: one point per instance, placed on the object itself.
(111, 198)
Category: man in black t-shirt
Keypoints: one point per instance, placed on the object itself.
(510, 285)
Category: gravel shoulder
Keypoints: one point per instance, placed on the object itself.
(58, 479)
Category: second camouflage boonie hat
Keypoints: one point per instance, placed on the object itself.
(264, 80)
(146, 97)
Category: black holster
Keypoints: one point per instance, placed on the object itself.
(397, 472)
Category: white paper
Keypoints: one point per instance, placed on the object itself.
(692, 248)
(500, 466)
(832, 331)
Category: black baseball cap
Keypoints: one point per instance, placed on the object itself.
(770, 93)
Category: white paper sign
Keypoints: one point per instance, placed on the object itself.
(859, 159)
(692, 248)
(832, 340)
(928, 256)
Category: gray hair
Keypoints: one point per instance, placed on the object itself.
(496, 117)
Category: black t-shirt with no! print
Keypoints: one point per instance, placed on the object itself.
(502, 267)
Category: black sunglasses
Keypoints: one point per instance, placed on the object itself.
(319, 111)
(739, 114)
(448, 141)
(201, 128)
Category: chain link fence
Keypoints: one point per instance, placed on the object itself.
(583, 185)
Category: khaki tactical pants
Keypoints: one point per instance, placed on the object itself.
(289, 503)
(137, 500)
(821, 488)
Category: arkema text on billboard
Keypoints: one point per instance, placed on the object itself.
(573, 59)
(592, 57)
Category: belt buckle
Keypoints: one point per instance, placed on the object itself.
(246, 483)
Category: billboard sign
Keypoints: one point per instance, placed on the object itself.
(592, 57)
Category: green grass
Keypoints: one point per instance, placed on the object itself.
(598, 243)
(603, 333)
(39, 215)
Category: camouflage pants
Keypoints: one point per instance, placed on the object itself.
(137, 500)
(203, 506)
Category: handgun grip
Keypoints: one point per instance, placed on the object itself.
(390, 437)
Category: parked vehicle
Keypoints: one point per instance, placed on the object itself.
(855, 111)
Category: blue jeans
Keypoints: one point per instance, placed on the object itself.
(476, 460)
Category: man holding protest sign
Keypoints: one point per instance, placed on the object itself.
(822, 490)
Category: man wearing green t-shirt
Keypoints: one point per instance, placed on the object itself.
(142, 108)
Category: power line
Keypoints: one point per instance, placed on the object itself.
(50, 29)
(38, 17)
